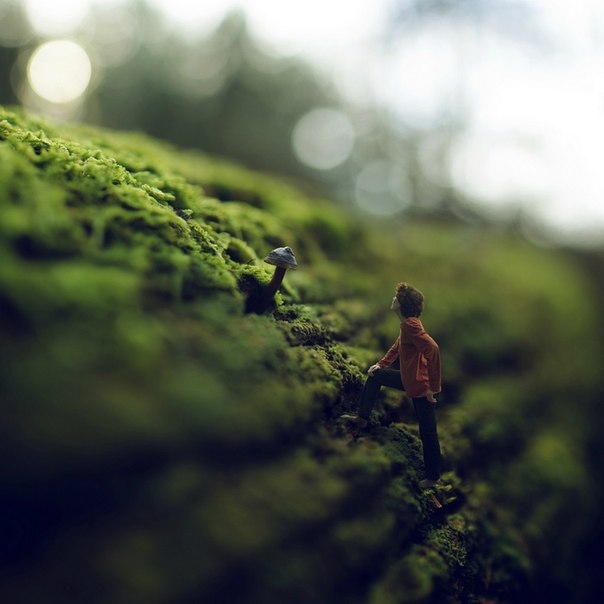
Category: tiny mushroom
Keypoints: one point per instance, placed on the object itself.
(282, 258)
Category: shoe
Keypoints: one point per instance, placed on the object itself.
(354, 419)
(426, 483)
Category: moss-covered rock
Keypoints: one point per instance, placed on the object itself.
(162, 445)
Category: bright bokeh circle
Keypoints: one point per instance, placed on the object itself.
(59, 71)
(323, 138)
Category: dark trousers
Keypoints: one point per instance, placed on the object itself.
(424, 410)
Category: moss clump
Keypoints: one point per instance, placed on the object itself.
(161, 444)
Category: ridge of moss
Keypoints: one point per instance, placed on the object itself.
(195, 449)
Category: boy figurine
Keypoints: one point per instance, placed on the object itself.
(418, 374)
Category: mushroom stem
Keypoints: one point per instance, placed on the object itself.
(261, 299)
(275, 283)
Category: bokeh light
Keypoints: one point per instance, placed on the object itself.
(59, 71)
(203, 74)
(323, 138)
(55, 18)
(382, 188)
(194, 18)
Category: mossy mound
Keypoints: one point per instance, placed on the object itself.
(163, 445)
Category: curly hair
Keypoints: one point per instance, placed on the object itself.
(410, 299)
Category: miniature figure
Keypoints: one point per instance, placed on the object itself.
(411, 364)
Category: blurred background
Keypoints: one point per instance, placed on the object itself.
(477, 109)
(477, 112)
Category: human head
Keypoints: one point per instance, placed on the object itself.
(410, 300)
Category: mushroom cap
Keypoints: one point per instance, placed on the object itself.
(283, 257)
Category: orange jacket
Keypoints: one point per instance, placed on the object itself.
(419, 358)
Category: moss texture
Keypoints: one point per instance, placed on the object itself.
(162, 445)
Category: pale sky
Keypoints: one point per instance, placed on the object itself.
(536, 118)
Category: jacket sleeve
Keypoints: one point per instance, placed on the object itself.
(429, 349)
(391, 355)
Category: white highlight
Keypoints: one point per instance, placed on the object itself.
(323, 138)
(59, 71)
(56, 17)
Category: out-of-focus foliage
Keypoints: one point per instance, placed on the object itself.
(160, 444)
(228, 93)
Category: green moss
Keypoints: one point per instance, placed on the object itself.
(186, 449)
(415, 578)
